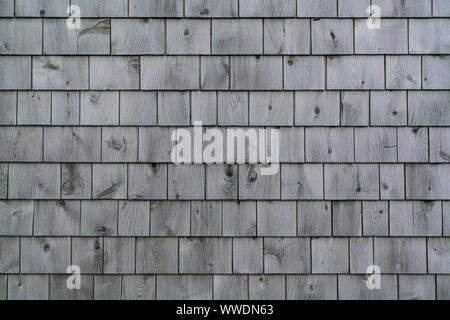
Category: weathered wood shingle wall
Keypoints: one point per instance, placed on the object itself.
(86, 177)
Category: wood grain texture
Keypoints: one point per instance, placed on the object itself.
(426, 36)
(353, 8)
(256, 73)
(28, 287)
(102, 8)
(417, 287)
(282, 36)
(184, 287)
(248, 256)
(188, 36)
(231, 36)
(155, 144)
(439, 144)
(205, 255)
(34, 181)
(186, 181)
(239, 218)
(59, 291)
(170, 218)
(413, 144)
(331, 36)
(304, 73)
(215, 73)
(9, 255)
(271, 108)
(20, 66)
(252, 185)
(302, 181)
(99, 218)
(428, 108)
(361, 254)
(388, 108)
(107, 287)
(311, 287)
(347, 218)
(206, 218)
(267, 8)
(42, 8)
(438, 255)
(316, 8)
(120, 144)
(157, 255)
(138, 108)
(287, 255)
(354, 108)
(76, 181)
(119, 255)
(329, 145)
(391, 38)
(44, 255)
(8, 106)
(221, 181)
(329, 255)
(57, 218)
(16, 218)
(392, 178)
(376, 145)
(112, 73)
(20, 36)
(318, 108)
(277, 218)
(34, 107)
(403, 72)
(407, 8)
(174, 108)
(353, 287)
(134, 218)
(109, 181)
(267, 287)
(211, 8)
(230, 287)
(138, 287)
(156, 8)
(375, 218)
(87, 253)
(21, 144)
(434, 76)
(314, 218)
(427, 182)
(65, 108)
(3, 181)
(233, 108)
(204, 106)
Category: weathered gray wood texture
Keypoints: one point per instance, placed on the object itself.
(88, 165)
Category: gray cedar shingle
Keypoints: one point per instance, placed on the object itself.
(6, 10)
(99, 218)
(20, 67)
(353, 287)
(271, 108)
(256, 73)
(292, 146)
(157, 255)
(72, 144)
(317, 8)
(311, 287)
(404, 8)
(388, 108)
(330, 255)
(170, 72)
(87, 253)
(28, 287)
(205, 255)
(21, 144)
(34, 181)
(301, 181)
(318, 108)
(215, 73)
(8, 106)
(392, 177)
(186, 181)
(57, 218)
(119, 144)
(412, 144)
(170, 218)
(231, 36)
(355, 72)
(354, 108)
(41, 8)
(112, 73)
(119, 255)
(427, 182)
(204, 107)
(134, 218)
(107, 287)
(211, 8)
(99, 108)
(267, 8)
(304, 73)
(102, 8)
(332, 36)
(446, 218)
(375, 145)
(403, 72)
(287, 36)
(138, 108)
(33, 107)
(443, 287)
(92, 38)
(20, 36)
(353, 8)
(441, 8)
(155, 8)
(230, 287)
(60, 73)
(361, 254)
(59, 291)
(329, 145)
(138, 287)
(76, 181)
(174, 108)
(439, 255)
(248, 255)
(428, 108)
(206, 218)
(267, 287)
(109, 181)
(417, 287)
(137, 36)
(392, 37)
(65, 108)
(3, 180)
(147, 181)
(155, 144)
(375, 218)
(44, 255)
(400, 255)
(184, 287)
(277, 218)
(9, 255)
(253, 185)
(188, 36)
(16, 218)
(439, 144)
(232, 108)
(401, 218)
(314, 218)
(287, 255)
(434, 72)
(347, 218)
(351, 181)
(428, 36)
(239, 218)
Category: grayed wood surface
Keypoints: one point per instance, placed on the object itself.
(87, 135)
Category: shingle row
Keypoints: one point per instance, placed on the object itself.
(227, 218)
